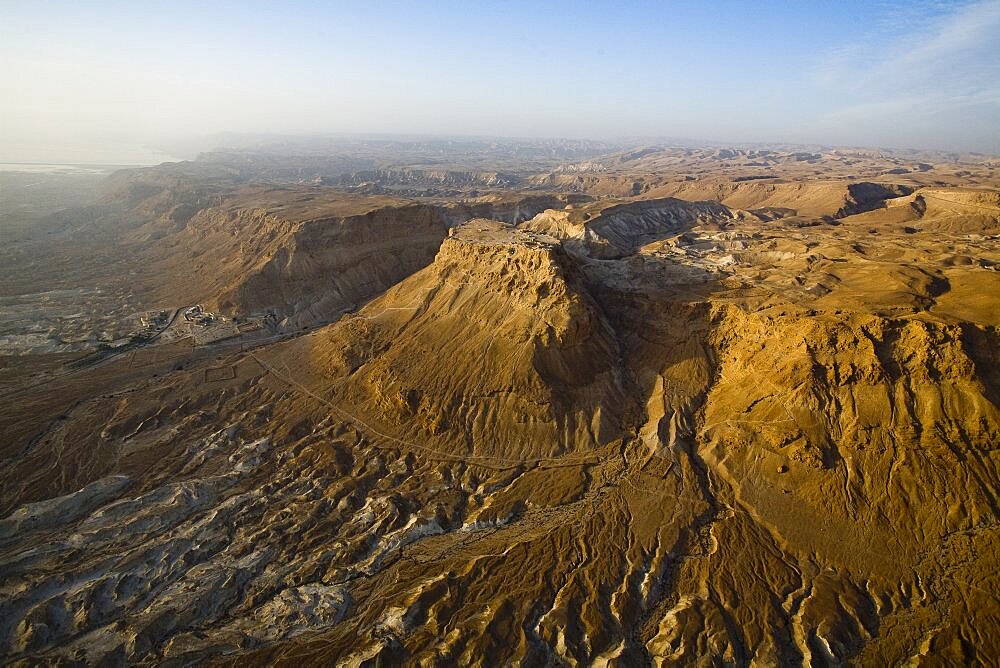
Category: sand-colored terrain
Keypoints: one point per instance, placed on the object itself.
(707, 419)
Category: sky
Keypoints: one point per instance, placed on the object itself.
(96, 81)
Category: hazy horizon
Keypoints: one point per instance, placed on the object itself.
(114, 82)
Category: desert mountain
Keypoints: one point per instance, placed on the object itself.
(722, 422)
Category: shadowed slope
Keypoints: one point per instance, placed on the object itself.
(532, 363)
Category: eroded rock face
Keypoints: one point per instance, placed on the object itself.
(402, 177)
(664, 433)
(611, 230)
(308, 263)
(52, 513)
(322, 267)
(534, 365)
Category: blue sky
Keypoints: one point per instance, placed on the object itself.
(908, 74)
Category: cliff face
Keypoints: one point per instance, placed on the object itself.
(610, 229)
(941, 211)
(533, 365)
(599, 185)
(872, 442)
(429, 177)
(304, 262)
(321, 267)
(830, 198)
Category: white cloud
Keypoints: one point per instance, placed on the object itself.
(940, 71)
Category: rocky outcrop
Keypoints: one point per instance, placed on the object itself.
(321, 267)
(52, 513)
(411, 176)
(599, 185)
(813, 198)
(534, 364)
(308, 265)
(613, 230)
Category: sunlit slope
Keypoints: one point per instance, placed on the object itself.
(532, 367)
